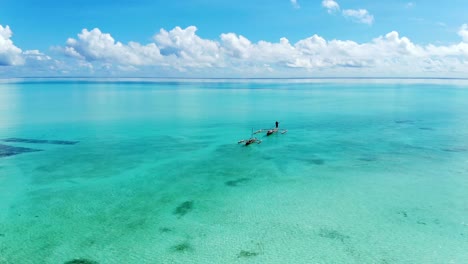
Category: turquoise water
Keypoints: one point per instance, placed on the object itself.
(369, 172)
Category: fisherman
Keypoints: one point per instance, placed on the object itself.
(276, 123)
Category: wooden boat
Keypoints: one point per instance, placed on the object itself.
(249, 141)
(271, 131)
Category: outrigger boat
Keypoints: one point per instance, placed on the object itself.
(249, 141)
(271, 131)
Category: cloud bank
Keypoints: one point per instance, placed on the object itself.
(183, 49)
(181, 52)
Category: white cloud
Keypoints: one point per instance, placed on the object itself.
(463, 32)
(295, 4)
(9, 53)
(359, 15)
(316, 52)
(235, 46)
(356, 15)
(275, 53)
(183, 45)
(97, 46)
(36, 55)
(5, 32)
(410, 5)
(331, 6)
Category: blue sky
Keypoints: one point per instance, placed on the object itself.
(283, 38)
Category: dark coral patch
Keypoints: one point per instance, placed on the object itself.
(183, 208)
(182, 247)
(81, 261)
(247, 254)
(164, 230)
(459, 149)
(40, 141)
(368, 158)
(317, 161)
(311, 160)
(403, 213)
(404, 121)
(236, 182)
(332, 234)
(6, 150)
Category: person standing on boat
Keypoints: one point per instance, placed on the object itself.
(276, 123)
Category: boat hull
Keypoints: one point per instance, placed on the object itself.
(271, 132)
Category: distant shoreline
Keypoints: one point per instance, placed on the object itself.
(52, 79)
(242, 78)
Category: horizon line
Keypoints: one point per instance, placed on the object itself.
(241, 78)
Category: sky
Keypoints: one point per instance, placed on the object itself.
(234, 39)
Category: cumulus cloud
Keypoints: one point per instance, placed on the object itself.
(9, 53)
(97, 46)
(184, 45)
(384, 51)
(331, 6)
(463, 32)
(235, 46)
(295, 4)
(359, 15)
(356, 15)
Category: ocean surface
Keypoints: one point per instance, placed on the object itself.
(150, 171)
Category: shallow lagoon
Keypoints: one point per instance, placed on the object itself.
(369, 172)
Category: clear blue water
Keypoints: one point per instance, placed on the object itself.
(369, 172)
